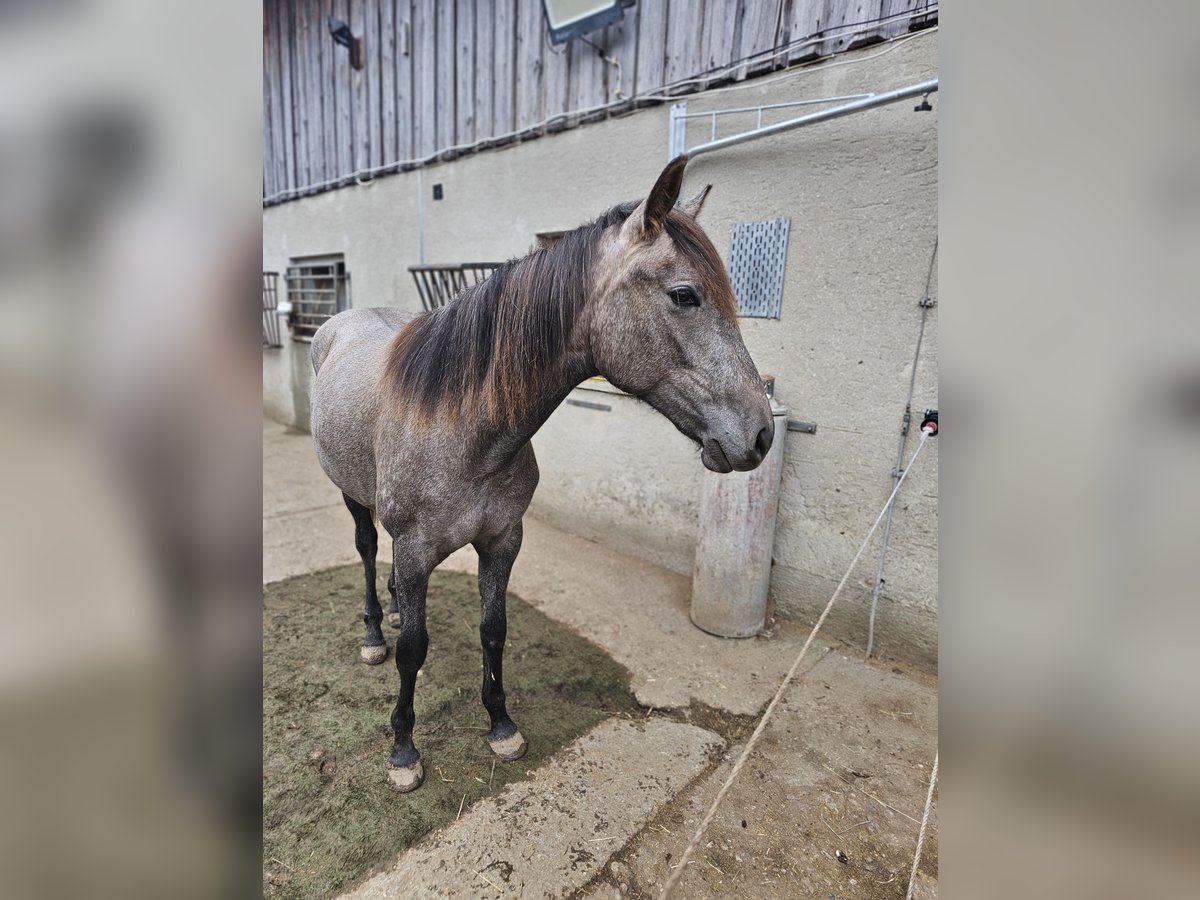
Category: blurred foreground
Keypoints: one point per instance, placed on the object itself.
(129, 446)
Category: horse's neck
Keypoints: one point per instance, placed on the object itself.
(497, 444)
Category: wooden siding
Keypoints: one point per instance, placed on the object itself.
(444, 77)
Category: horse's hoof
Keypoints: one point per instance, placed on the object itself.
(406, 778)
(373, 656)
(394, 619)
(509, 748)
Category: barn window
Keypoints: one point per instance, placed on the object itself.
(318, 287)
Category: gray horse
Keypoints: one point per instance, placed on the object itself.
(425, 420)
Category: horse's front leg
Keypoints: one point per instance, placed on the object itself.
(496, 560)
(411, 579)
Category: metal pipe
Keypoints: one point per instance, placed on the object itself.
(743, 109)
(913, 90)
(898, 471)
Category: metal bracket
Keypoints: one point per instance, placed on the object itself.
(677, 130)
(927, 303)
(806, 427)
(589, 404)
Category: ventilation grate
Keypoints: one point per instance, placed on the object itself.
(757, 259)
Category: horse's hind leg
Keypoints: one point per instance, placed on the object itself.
(412, 581)
(366, 539)
(495, 563)
(394, 608)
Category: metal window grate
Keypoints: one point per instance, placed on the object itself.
(318, 289)
(270, 302)
(438, 285)
(757, 259)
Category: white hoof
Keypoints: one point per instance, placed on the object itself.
(373, 656)
(406, 778)
(510, 748)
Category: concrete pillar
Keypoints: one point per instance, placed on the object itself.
(733, 548)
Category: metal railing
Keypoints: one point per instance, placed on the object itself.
(438, 285)
(270, 303)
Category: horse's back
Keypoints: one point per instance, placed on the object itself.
(358, 328)
(348, 353)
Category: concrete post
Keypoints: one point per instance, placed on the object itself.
(733, 548)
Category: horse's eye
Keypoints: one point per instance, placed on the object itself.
(684, 296)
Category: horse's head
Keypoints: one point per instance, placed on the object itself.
(665, 329)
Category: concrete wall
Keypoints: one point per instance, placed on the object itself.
(861, 193)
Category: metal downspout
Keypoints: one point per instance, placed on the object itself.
(926, 303)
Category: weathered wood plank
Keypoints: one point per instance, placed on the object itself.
(485, 72)
(558, 72)
(371, 79)
(343, 96)
(684, 31)
(587, 77)
(720, 35)
(405, 42)
(530, 95)
(283, 43)
(504, 54)
(387, 81)
(464, 73)
(761, 25)
(270, 152)
(298, 22)
(278, 139)
(652, 43)
(359, 80)
(313, 26)
(446, 114)
(622, 43)
(327, 92)
(424, 78)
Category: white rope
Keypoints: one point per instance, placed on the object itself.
(912, 878)
(762, 723)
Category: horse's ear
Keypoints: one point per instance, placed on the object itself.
(650, 214)
(693, 206)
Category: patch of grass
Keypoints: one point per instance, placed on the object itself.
(329, 817)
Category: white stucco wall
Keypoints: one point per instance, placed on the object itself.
(861, 193)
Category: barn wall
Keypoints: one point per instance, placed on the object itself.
(445, 77)
(861, 193)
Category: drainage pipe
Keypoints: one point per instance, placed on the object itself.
(913, 90)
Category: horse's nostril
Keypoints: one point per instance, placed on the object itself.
(763, 442)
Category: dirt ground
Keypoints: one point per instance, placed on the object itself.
(329, 817)
(843, 765)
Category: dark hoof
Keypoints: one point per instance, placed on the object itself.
(373, 656)
(509, 748)
(394, 619)
(406, 778)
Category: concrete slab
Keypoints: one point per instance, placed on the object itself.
(843, 764)
(549, 836)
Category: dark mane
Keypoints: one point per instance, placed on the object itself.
(488, 352)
